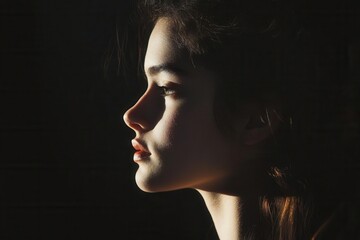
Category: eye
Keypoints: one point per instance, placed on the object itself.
(166, 91)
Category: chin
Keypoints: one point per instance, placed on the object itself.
(146, 188)
(145, 184)
(152, 185)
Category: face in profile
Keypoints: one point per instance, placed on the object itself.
(178, 143)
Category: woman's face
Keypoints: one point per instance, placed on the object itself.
(178, 144)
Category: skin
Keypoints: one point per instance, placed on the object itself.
(176, 125)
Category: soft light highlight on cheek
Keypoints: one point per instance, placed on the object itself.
(166, 129)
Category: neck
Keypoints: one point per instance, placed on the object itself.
(233, 217)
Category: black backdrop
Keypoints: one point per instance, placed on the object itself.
(66, 170)
(66, 159)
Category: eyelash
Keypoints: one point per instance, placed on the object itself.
(166, 91)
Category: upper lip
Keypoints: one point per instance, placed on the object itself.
(138, 145)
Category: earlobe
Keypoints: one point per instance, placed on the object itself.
(261, 126)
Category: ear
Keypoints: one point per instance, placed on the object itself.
(261, 126)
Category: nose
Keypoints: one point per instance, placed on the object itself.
(141, 117)
(133, 117)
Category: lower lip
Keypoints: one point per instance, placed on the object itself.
(141, 155)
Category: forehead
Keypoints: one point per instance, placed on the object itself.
(162, 49)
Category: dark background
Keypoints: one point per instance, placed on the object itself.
(66, 169)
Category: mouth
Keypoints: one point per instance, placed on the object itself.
(141, 151)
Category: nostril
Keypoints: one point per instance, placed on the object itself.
(136, 126)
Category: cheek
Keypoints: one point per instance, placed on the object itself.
(189, 137)
(172, 130)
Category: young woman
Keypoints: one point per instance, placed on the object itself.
(236, 109)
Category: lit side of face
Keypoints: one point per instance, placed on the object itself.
(179, 141)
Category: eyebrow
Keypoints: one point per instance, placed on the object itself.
(166, 67)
